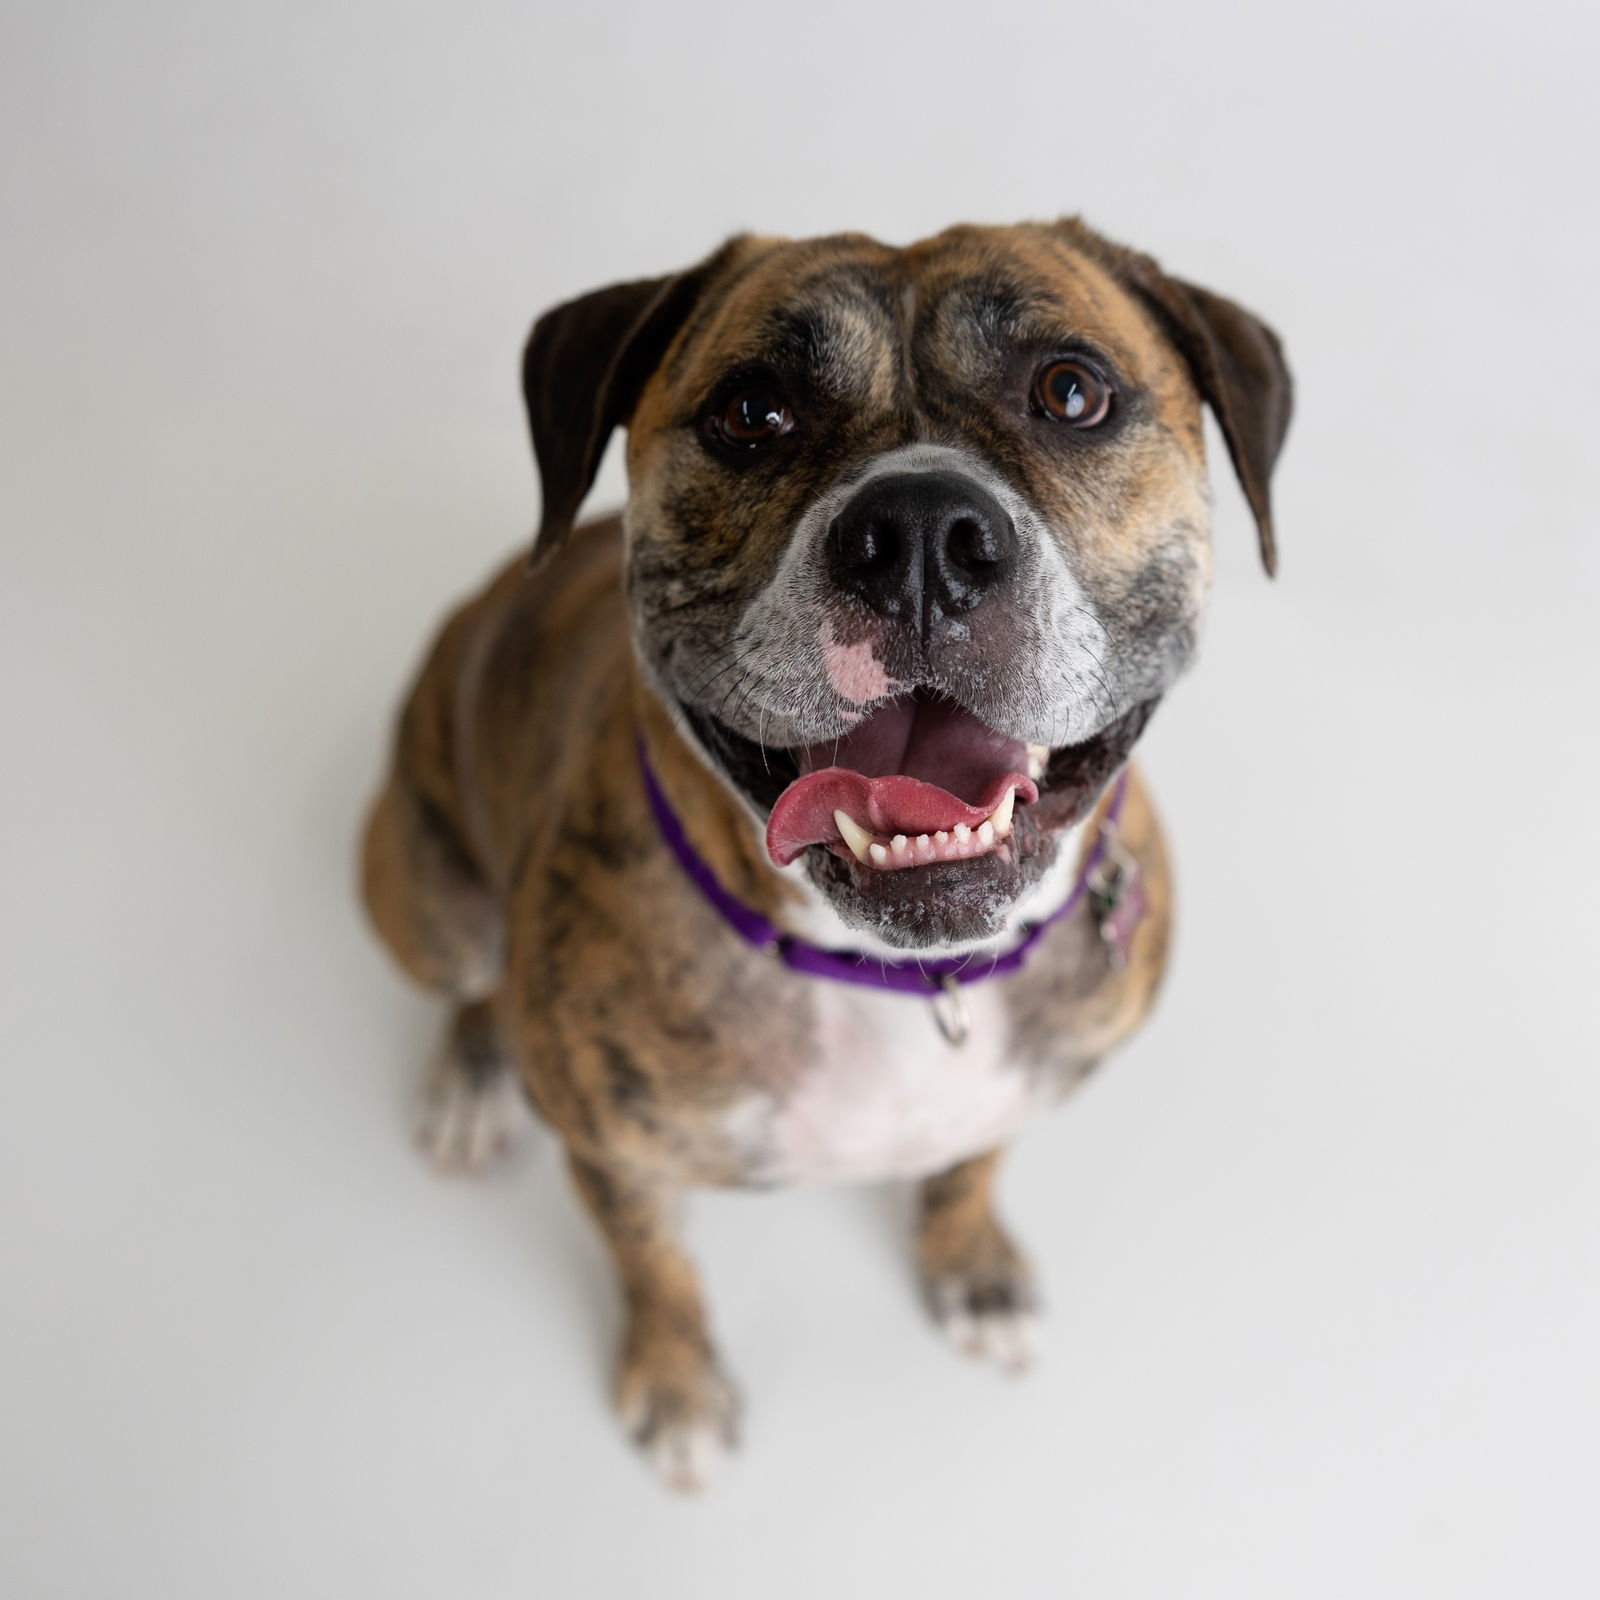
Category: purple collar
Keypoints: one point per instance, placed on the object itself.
(928, 978)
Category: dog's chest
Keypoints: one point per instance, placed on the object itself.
(881, 1093)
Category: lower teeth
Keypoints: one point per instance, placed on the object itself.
(960, 843)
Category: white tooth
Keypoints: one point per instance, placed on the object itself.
(1038, 759)
(853, 833)
(963, 833)
(986, 833)
(878, 853)
(1002, 813)
(922, 843)
(899, 844)
(941, 837)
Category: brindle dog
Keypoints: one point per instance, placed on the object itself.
(912, 533)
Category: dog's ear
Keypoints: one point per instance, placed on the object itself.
(1238, 366)
(583, 369)
(1235, 359)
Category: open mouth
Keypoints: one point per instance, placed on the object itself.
(921, 781)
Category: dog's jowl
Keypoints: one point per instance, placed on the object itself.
(784, 828)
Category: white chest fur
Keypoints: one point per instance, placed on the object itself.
(885, 1095)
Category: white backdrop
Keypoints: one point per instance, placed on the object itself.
(1320, 1246)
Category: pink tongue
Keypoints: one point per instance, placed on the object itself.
(883, 774)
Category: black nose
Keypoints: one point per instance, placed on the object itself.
(919, 545)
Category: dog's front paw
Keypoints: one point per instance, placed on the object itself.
(986, 1304)
(682, 1411)
(471, 1108)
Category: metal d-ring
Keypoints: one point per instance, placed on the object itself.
(950, 1011)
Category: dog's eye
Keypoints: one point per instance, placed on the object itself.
(751, 417)
(1072, 392)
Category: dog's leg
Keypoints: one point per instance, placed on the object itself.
(672, 1393)
(472, 1104)
(979, 1286)
(426, 897)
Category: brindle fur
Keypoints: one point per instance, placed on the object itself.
(510, 860)
(971, 1270)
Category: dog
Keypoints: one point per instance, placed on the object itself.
(784, 829)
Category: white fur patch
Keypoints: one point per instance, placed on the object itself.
(688, 1457)
(1006, 1336)
(886, 1096)
(464, 1124)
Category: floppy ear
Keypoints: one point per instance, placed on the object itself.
(583, 369)
(1238, 366)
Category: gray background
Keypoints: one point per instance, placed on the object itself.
(1320, 1247)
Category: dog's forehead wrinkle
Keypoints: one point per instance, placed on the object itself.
(825, 312)
(988, 306)
(908, 322)
(858, 323)
(840, 339)
(1038, 290)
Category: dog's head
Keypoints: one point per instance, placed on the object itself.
(916, 538)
